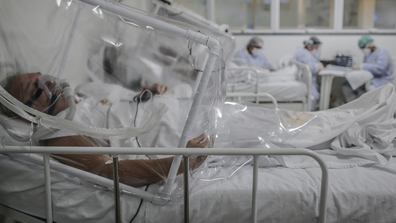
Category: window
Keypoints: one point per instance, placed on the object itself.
(299, 14)
(234, 13)
(365, 14)
(385, 14)
(242, 14)
(198, 6)
(262, 15)
(351, 13)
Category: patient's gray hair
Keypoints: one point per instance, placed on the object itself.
(7, 84)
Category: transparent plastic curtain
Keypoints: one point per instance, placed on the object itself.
(109, 60)
(248, 125)
(35, 38)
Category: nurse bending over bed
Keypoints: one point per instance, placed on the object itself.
(42, 93)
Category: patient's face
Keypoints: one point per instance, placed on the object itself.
(26, 85)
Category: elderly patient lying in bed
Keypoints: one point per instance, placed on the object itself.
(33, 89)
(352, 130)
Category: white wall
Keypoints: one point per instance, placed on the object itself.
(276, 46)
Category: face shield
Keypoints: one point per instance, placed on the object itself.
(317, 50)
(308, 44)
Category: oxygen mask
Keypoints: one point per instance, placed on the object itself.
(51, 86)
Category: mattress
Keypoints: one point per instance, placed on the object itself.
(360, 194)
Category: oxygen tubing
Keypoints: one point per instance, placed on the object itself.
(41, 132)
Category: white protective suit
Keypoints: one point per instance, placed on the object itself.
(306, 57)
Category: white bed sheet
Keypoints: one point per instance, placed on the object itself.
(360, 194)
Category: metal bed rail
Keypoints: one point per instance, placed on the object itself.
(257, 94)
(304, 75)
(172, 151)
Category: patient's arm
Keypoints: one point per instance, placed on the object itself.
(156, 88)
(132, 172)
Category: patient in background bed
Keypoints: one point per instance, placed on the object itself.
(252, 55)
(25, 88)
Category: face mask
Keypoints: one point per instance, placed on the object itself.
(256, 52)
(366, 51)
(50, 85)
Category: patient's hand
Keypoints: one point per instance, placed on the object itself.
(199, 142)
(156, 88)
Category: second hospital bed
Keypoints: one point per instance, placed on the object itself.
(290, 84)
(286, 191)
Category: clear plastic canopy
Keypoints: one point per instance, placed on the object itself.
(136, 81)
(82, 43)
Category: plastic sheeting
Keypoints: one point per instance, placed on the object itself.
(247, 125)
(109, 60)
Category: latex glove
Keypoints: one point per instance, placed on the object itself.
(356, 66)
(320, 66)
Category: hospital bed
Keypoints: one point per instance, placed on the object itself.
(68, 34)
(280, 193)
(284, 61)
(290, 84)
